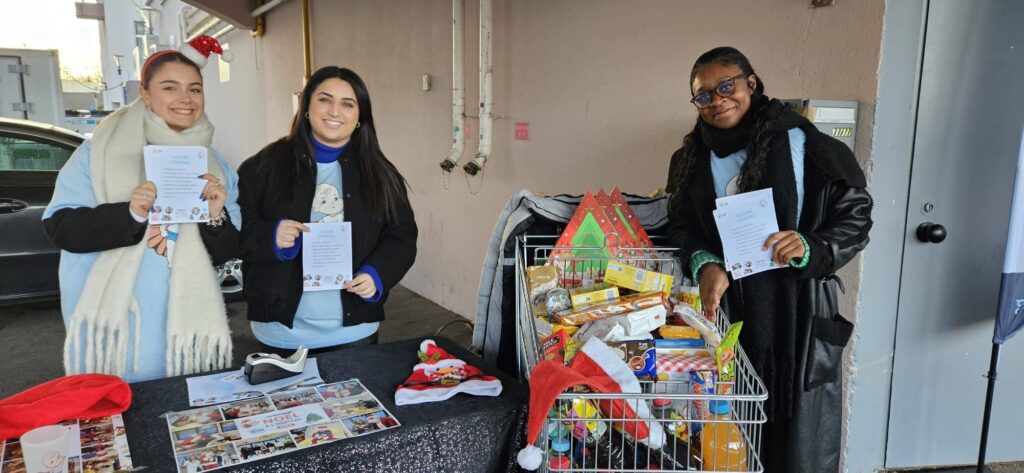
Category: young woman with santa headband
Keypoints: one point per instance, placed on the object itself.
(142, 301)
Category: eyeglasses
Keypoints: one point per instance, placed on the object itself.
(723, 89)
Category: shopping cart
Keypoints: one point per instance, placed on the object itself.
(700, 435)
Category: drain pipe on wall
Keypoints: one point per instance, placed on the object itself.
(484, 150)
(458, 91)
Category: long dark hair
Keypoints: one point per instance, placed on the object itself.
(757, 148)
(384, 190)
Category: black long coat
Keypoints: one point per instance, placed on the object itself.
(273, 287)
(798, 355)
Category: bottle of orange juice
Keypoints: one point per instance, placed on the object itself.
(722, 444)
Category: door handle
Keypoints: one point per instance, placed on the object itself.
(929, 232)
(10, 206)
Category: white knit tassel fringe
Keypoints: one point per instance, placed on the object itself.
(197, 353)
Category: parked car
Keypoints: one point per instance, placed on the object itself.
(31, 154)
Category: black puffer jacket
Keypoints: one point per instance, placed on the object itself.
(273, 287)
(798, 355)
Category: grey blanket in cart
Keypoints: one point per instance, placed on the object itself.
(529, 214)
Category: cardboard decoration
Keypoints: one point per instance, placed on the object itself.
(602, 226)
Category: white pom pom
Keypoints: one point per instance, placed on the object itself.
(530, 457)
(227, 55)
(656, 439)
(188, 51)
(425, 344)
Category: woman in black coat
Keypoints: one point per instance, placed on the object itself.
(743, 142)
(330, 168)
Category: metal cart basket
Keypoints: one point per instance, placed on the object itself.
(713, 432)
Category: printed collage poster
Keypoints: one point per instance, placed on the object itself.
(101, 446)
(243, 431)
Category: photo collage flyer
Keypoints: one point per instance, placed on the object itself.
(239, 432)
(101, 446)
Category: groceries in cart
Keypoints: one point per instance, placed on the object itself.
(683, 397)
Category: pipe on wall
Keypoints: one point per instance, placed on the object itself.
(458, 90)
(307, 61)
(484, 149)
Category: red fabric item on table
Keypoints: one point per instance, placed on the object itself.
(82, 396)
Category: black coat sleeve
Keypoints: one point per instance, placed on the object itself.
(395, 251)
(843, 232)
(92, 229)
(221, 241)
(684, 228)
(257, 240)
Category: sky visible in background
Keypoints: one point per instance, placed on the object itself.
(51, 24)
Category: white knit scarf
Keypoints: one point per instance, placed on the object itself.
(198, 337)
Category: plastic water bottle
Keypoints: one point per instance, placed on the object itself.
(722, 445)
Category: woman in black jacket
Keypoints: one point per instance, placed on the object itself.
(330, 168)
(743, 142)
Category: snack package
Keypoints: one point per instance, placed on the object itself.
(725, 356)
(553, 346)
(641, 280)
(556, 301)
(583, 409)
(679, 343)
(677, 364)
(623, 305)
(678, 332)
(540, 280)
(640, 356)
(701, 382)
(593, 294)
(691, 317)
(629, 326)
(689, 295)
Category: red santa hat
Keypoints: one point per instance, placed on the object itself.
(598, 367)
(199, 49)
(439, 376)
(83, 396)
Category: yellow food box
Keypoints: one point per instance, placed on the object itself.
(640, 280)
(678, 332)
(593, 295)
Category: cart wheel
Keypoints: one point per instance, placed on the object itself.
(458, 322)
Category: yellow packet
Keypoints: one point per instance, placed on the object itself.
(640, 280)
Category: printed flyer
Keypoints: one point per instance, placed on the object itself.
(243, 431)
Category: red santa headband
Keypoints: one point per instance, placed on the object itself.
(197, 50)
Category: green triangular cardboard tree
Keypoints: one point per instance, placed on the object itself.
(597, 232)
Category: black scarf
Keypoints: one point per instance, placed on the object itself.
(725, 142)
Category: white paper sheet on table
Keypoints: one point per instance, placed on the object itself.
(175, 171)
(744, 223)
(326, 256)
(233, 386)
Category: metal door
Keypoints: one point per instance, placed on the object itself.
(968, 136)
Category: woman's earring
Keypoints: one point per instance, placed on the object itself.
(357, 124)
(307, 115)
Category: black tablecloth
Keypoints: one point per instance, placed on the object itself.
(464, 433)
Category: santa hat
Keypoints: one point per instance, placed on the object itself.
(83, 396)
(598, 367)
(440, 376)
(199, 48)
(198, 51)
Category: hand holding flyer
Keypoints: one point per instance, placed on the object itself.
(744, 223)
(326, 256)
(176, 171)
